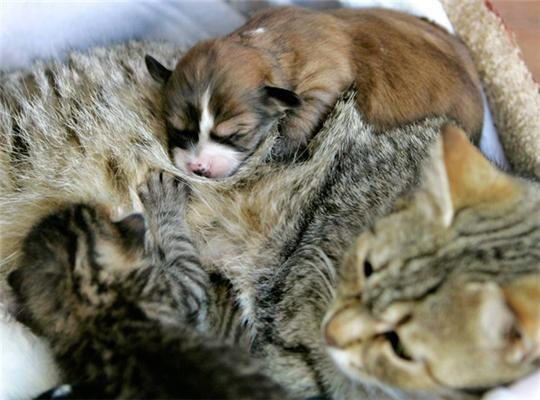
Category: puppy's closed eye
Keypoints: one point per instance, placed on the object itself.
(182, 138)
(230, 140)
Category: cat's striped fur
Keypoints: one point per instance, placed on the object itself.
(443, 294)
(126, 320)
(274, 233)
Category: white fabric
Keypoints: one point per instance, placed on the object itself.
(490, 144)
(431, 9)
(31, 29)
(526, 389)
(26, 365)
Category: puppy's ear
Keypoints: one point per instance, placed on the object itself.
(159, 72)
(285, 99)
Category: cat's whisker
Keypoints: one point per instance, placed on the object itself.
(328, 276)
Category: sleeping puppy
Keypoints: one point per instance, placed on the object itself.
(291, 64)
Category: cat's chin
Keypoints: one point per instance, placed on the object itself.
(361, 362)
(354, 369)
(351, 366)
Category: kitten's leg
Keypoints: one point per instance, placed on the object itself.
(164, 198)
(111, 316)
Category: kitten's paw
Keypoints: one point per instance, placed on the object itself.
(164, 192)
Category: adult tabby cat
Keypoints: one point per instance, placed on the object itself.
(439, 297)
(125, 318)
(444, 292)
(277, 233)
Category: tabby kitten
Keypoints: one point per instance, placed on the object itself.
(123, 311)
(442, 294)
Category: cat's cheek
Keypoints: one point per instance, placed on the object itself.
(382, 362)
(349, 363)
(373, 361)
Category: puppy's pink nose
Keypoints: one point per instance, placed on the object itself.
(199, 169)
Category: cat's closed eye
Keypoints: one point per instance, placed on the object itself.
(443, 292)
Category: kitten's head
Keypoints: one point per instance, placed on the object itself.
(220, 103)
(68, 262)
(443, 294)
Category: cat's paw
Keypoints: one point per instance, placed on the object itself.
(163, 192)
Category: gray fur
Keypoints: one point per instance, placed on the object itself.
(124, 321)
(90, 130)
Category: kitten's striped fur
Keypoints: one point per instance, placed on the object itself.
(125, 322)
(275, 233)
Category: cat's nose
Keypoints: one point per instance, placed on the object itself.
(351, 324)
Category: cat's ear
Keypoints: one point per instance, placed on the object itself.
(284, 99)
(457, 175)
(472, 178)
(433, 198)
(158, 71)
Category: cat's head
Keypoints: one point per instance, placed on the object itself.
(443, 294)
(69, 260)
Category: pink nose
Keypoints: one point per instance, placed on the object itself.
(199, 169)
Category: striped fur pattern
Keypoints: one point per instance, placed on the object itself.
(272, 232)
(121, 318)
(84, 131)
(442, 294)
(278, 232)
(271, 237)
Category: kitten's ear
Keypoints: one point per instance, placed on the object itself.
(132, 229)
(283, 98)
(15, 281)
(158, 71)
(471, 177)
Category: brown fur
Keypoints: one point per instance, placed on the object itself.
(404, 68)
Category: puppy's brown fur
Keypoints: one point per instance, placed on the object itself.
(403, 67)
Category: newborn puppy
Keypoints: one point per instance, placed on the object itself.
(291, 64)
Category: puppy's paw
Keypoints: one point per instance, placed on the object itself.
(288, 150)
